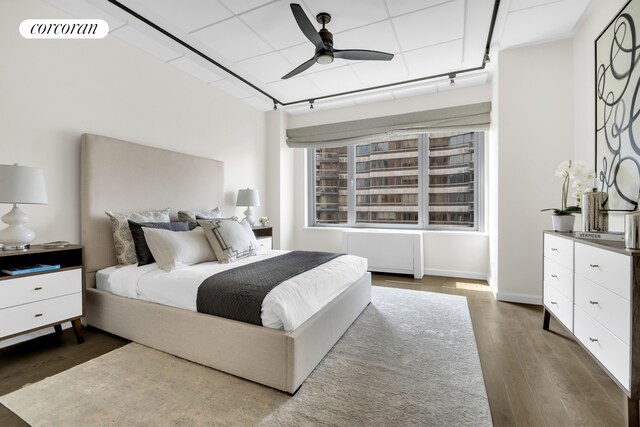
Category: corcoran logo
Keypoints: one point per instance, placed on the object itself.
(64, 29)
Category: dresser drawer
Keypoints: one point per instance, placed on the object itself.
(264, 243)
(559, 250)
(606, 347)
(608, 269)
(609, 309)
(561, 277)
(559, 305)
(28, 316)
(23, 290)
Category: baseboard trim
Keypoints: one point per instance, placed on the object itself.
(519, 298)
(454, 273)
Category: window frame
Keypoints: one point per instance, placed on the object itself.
(423, 190)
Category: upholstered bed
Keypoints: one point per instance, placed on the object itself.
(121, 176)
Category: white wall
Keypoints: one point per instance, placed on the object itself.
(52, 91)
(598, 16)
(461, 254)
(534, 109)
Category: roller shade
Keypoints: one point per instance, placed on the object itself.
(474, 117)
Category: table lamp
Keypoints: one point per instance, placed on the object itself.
(24, 185)
(248, 198)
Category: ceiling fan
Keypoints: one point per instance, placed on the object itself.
(323, 41)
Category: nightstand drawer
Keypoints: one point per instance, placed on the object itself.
(559, 305)
(559, 249)
(561, 277)
(606, 347)
(608, 269)
(29, 316)
(609, 309)
(265, 243)
(23, 290)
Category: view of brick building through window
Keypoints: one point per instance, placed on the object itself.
(387, 182)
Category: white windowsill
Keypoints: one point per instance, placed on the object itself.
(400, 230)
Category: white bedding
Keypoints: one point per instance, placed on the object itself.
(286, 307)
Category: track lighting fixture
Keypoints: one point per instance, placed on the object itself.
(486, 58)
(452, 82)
(275, 106)
(311, 104)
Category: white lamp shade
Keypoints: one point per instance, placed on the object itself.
(22, 184)
(248, 197)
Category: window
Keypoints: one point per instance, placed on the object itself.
(417, 181)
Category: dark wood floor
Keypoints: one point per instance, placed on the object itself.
(533, 377)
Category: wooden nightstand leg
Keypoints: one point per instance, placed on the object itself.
(58, 329)
(545, 319)
(77, 330)
(633, 413)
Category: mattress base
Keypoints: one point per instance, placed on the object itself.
(275, 358)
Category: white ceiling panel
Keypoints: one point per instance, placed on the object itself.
(368, 37)
(274, 22)
(196, 70)
(188, 15)
(336, 80)
(523, 26)
(267, 68)
(434, 60)
(82, 9)
(233, 39)
(260, 41)
(146, 43)
(396, 7)
(431, 26)
(293, 89)
(525, 4)
(375, 73)
(347, 14)
(239, 6)
(234, 87)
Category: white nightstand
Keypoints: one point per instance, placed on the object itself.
(264, 236)
(34, 301)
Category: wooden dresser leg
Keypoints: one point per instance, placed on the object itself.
(545, 319)
(633, 413)
(77, 330)
(58, 329)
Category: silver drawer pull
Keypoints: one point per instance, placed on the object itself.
(554, 249)
(594, 265)
(593, 302)
(39, 288)
(593, 339)
(554, 275)
(39, 315)
(554, 302)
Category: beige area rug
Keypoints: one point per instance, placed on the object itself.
(410, 359)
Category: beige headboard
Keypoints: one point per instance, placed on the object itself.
(123, 177)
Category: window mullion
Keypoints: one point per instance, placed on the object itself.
(351, 186)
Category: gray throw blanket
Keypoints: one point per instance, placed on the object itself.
(238, 293)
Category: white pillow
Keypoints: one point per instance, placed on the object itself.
(230, 239)
(173, 250)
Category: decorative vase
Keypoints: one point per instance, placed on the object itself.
(562, 223)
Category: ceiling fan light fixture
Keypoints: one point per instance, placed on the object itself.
(325, 58)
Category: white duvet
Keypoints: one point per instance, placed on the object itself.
(286, 307)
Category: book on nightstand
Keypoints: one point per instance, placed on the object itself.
(16, 271)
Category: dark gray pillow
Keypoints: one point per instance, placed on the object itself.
(142, 249)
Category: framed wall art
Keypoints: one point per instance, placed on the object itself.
(617, 53)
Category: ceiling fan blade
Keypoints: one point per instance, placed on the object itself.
(300, 68)
(306, 26)
(364, 55)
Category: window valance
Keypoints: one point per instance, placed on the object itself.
(474, 117)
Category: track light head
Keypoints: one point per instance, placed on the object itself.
(452, 80)
(275, 106)
(486, 58)
(311, 104)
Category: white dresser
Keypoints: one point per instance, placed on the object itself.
(39, 300)
(589, 286)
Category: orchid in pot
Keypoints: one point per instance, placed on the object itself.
(562, 218)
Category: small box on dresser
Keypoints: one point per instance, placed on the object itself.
(34, 301)
(592, 287)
